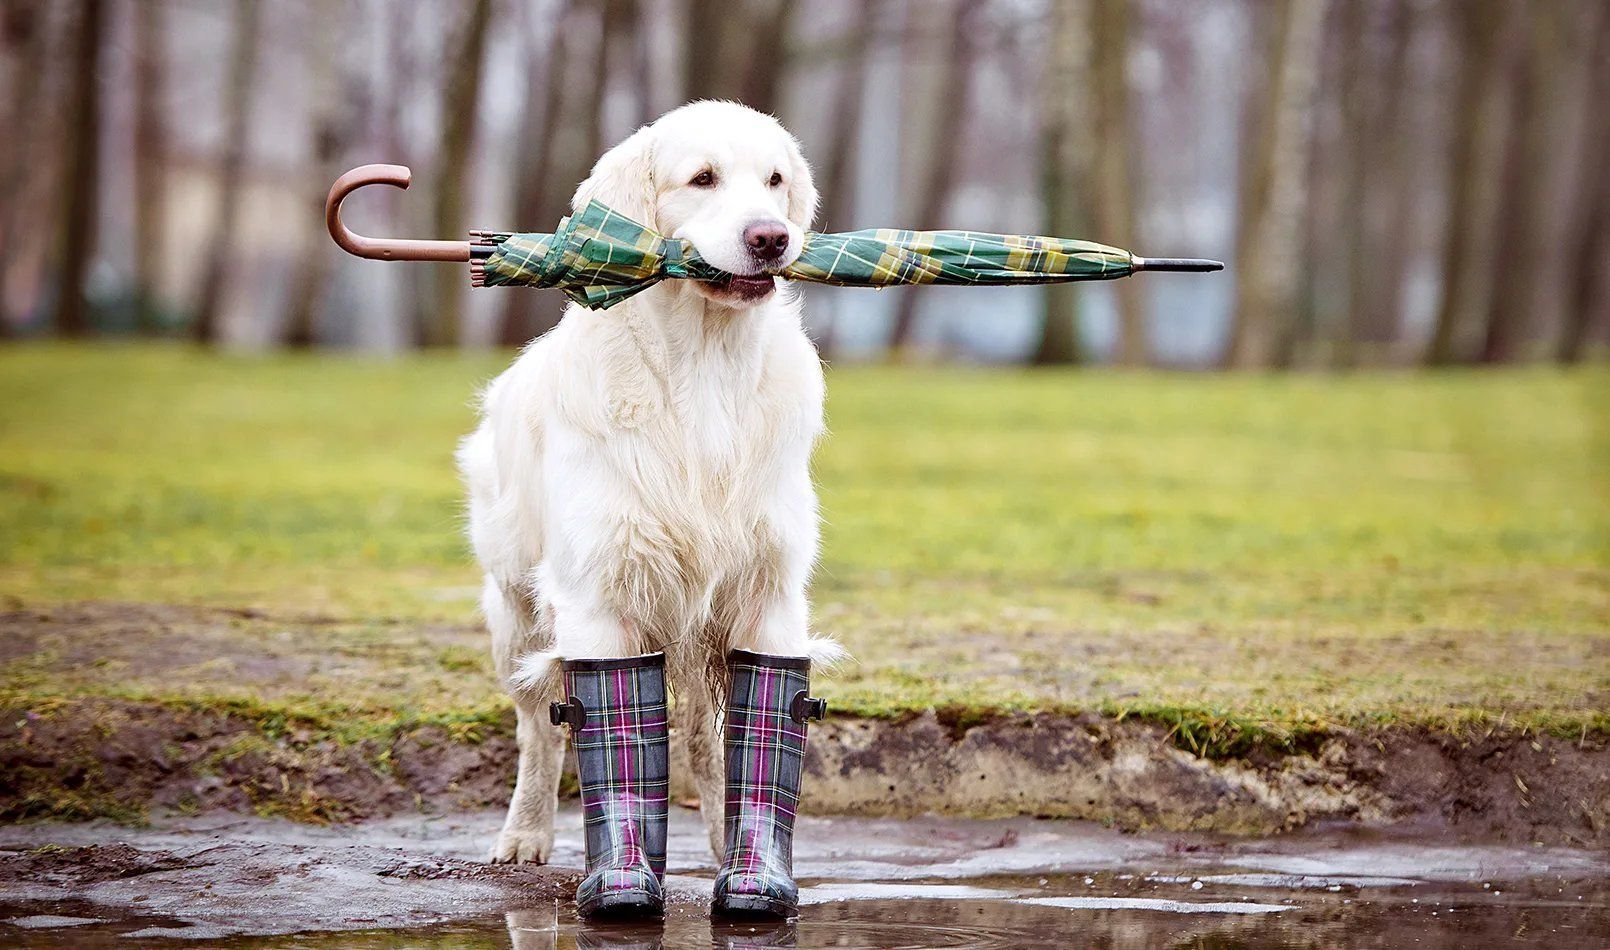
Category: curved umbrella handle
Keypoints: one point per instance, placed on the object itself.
(384, 249)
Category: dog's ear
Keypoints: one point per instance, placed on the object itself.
(623, 179)
(801, 188)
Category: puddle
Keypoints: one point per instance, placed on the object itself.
(417, 881)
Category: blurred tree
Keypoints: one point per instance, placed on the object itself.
(836, 179)
(150, 159)
(461, 95)
(770, 26)
(702, 36)
(1480, 117)
(1113, 206)
(26, 38)
(1587, 298)
(1520, 197)
(951, 92)
(81, 192)
(1273, 188)
(335, 100)
(536, 148)
(230, 183)
(1380, 251)
(1064, 167)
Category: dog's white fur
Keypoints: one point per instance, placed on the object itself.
(640, 477)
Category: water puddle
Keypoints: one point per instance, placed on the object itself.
(417, 882)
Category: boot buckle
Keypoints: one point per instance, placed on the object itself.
(806, 708)
(572, 713)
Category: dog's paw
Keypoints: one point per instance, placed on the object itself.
(522, 846)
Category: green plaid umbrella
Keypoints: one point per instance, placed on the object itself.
(599, 257)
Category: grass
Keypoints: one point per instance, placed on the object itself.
(1241, 557)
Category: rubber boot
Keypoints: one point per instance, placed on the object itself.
(765, 744)
(617, 715)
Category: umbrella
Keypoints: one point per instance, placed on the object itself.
(599, 257)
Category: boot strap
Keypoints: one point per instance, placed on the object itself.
(572, 713)
(806, 708)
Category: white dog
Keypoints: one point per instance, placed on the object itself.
(640, 479)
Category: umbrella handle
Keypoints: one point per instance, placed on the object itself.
(383, 249)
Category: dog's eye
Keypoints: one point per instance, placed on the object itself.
(703, 179)
(776, 179)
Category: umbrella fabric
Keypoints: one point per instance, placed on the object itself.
(599, 257)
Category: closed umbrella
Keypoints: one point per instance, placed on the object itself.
(599, 257)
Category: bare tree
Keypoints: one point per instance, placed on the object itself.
(1588, 235)
(537, 152)
(335, 94)
(837, 176)
(1272, 189)
(951, 91)
(1529, 177)
(150, 158)
(461, 95)
(770, 25)
(231, 169)
(1377, 261)
(1114, 204)
(1474, 161)
(80, 209)
(1064, 165)
(24, 30)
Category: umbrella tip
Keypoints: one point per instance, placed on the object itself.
(1189, 265)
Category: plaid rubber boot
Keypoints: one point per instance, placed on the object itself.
(765, 742)
(618, 723)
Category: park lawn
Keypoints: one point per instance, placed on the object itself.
(1237, 555)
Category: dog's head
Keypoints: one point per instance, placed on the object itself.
(727, 178)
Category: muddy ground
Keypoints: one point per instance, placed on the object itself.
(78, 741)
(414, 880)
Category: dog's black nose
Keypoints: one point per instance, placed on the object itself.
(767, 240)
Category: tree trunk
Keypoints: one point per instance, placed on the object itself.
(1588, 240)
(1390, 194)
(1272, 193)
(768, 54)
(951, 95)
(704, 50)
(150, 158)
(26, 31)
(1064, 167)
(1359, 93)
(333, 91)
(82, 180)
(226, 209)
(1474, 162)
(460, 100)
(537, 149)
(1530, 174)
(1114, 204)
(837, 179)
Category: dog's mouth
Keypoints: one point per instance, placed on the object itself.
(737, 287)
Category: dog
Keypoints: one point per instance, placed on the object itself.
(640, 477)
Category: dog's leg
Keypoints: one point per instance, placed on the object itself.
(513, 620)
(700, 729)
(528, 830)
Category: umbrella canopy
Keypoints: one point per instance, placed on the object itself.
(599, 257)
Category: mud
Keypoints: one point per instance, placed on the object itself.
(77, 753)
(928, 882)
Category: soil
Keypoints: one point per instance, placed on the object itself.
(415, 880)
(86, 754)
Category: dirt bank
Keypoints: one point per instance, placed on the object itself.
(104, 757)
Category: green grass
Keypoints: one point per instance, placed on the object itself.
(1233, 555)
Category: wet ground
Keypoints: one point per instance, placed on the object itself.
(418, 881)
